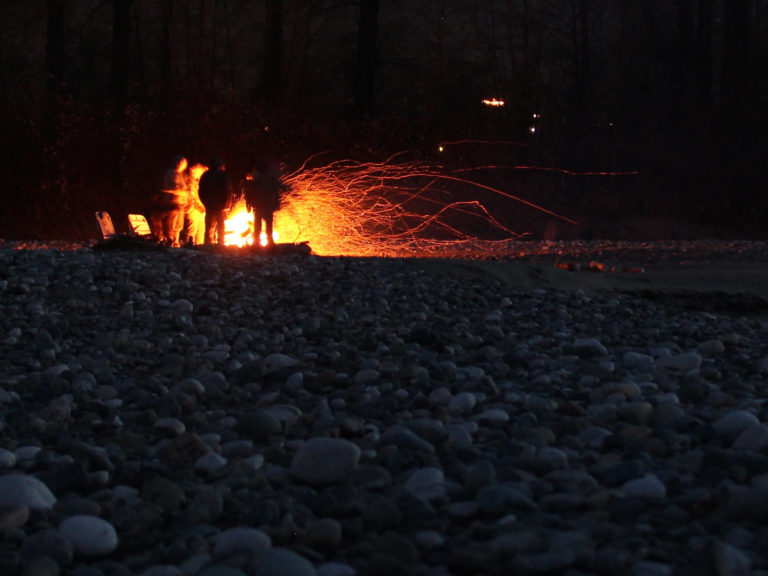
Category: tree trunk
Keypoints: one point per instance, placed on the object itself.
(734, 87)
(167, 53)
(704, 51)
(681, 74)
(121, 46)
(273, 51)
(365, 73)
(55, 44)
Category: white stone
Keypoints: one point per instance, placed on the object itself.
(240, 538)
(711, 347)
(462, 403)
(277, 361)
(686, 362)
(427, 483)
(324, 460)
(90, 535)
(209, 463)
(18, 489)
(335, 569)
(585, 347)
(730, 425)
(648, 486)
(493, 415)
(7, 459)
(754, 438)
(280, 562)
(171, 425)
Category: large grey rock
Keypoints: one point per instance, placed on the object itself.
(324, 460)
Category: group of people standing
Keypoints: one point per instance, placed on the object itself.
(192, 205)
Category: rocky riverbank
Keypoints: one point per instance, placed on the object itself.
(182, 412)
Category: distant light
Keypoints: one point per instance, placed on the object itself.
(440, 148)
(495, 102)
(536, 115)
(532, 129)
(266, 128)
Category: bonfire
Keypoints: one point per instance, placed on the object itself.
(392, 208)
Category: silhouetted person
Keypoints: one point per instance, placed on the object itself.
(168, 205)
(194, 214)
(215, 193)
(261, 188)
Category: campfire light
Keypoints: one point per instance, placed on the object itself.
(493, 102)
(390, 208)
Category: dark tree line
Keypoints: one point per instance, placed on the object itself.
(98, 95)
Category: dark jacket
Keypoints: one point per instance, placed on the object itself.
(215, 190)
(262, 192)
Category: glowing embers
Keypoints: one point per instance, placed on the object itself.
(390, 208)
(493, 102)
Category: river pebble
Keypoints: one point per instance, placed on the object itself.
(209, 413)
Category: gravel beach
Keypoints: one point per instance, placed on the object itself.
(184, 412)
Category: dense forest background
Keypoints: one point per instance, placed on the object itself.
(616, 112)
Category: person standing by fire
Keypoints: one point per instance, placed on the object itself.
(168, 205)
(215, 193)
(194, 215)
(262, 188)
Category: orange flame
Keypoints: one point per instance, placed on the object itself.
(238, 227)
(390, 208)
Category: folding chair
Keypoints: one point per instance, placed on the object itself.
(139, 227)
(106, 227)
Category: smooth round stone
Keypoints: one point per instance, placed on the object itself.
(220, 570)
(492, 416)
(335, 569)
(552, 458)
(41, 566)
(324, 535)
(440, 396)
(640, 362)
(462, 403)
(500, 499)
(427, 483)
(21, 489)
(171, 425)
(284, 413)
(90, 535)
(366, 376)
(649, 568)
(209, 463)
(14, 518)
(323, 460)
(753, 438)
(588, 347)
(711, 347)
(458, 436)
(730, 425)
(164, 493)
(206, 506)
(686, 362)
(163, 570)
(191, 386)
(51, 543)
(277, 361)
(7, 459)
(428, 539)
(240, 539)
(26, 453)
(280, 562)
(259, 425)
(648, 486)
